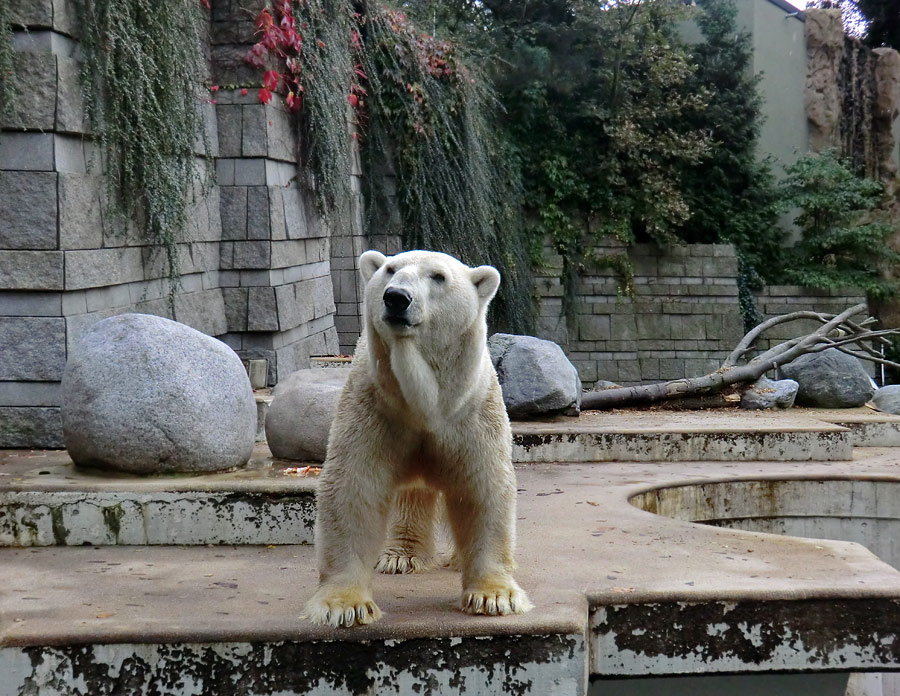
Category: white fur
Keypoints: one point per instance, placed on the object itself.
(420, 431)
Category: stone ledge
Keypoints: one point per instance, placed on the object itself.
(605, 577)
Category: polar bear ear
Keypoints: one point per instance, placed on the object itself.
(486, 280)
(369, 262)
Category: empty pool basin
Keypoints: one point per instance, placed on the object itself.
(864, 511)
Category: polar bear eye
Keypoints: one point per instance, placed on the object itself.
(389, 270)
(438, 277)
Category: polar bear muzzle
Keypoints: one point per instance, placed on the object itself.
(396, 302)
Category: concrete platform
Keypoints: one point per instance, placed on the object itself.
(666, 436)
(45, 500)
(620, 592)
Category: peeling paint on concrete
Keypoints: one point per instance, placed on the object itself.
(829, 444)
(63, 518)
(752, 636)
(513, 665)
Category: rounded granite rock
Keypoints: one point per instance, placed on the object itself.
(830, 379)
(535, 375)
(148, 395)
(887, 399)
(302, 409)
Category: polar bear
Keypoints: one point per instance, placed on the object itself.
(421, 418)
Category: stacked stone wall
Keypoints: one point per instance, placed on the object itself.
(255, 260)
(683, 319)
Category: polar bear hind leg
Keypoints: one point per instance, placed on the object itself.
(411, 544)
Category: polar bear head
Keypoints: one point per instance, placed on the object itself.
(425, 294)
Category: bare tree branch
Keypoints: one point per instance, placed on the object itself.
(848, 333)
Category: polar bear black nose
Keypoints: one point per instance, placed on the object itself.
(396, 300)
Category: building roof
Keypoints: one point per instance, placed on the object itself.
(789, 8)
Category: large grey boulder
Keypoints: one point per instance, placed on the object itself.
(830, 379)
(148, 395)
(887, 399)
(535, 375)
(303, 407)
(765, 393)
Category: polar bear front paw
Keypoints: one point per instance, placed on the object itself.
(397, 561)
(345, 607)
(496, 599)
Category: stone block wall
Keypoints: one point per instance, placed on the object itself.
(774, 300)
(682, 320)
(255, 259)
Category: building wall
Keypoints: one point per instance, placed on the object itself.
(779, 56)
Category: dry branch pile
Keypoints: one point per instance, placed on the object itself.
(837, 331)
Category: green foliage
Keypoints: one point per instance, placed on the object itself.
(595, 105)
(7, 91)
(328, 75)
(844, 239)
(142, 77)
(430, 123)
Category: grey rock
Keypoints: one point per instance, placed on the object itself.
(25, 152)
(303, 407)
(70, 108)
(604, 384)
(31, 13)
(830, 379)
(229, 127)
(148, 395)
(31, 270)
(262, 310)
(35, 83)
(766, 393)
(30, 427)
(253, 131)
(535, 375)
(34, 348)
(258, 212)
(233, 202)
(80, 226)
(887, 399)
(32, 195)
(97, 268)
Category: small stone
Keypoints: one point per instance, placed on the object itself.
(887, 399)
(766, 393)
(303, 407)
(830, 379)
(604, 384)
(148, 395)
(535, 375)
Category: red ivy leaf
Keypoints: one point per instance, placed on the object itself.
(353, 99)
(265, 96)
(270, 80)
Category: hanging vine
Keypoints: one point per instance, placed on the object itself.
(7, 91)
(418, 111)
(143, 84)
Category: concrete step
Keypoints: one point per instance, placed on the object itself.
(619, 593)
(45, 500)
(667, 436)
